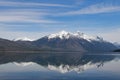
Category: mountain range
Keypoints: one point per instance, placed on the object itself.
(61, 41)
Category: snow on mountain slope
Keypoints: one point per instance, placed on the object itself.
(22, 39)
(117, 44)
(66, 35)
(61, 35)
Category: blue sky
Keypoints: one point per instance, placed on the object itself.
(36, 18)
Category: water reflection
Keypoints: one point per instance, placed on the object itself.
(49, 64)
(62, 62)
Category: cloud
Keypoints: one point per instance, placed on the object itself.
(24, 19)
(94, 9)
(30, 4)
(25, 15)
(14, 12)
(33, 13)
(27, 12)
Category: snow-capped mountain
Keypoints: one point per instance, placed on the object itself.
(61, 41)
(66, 35)
(23, 39)
(73, 42)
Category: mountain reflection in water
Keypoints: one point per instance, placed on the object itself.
(59, 64)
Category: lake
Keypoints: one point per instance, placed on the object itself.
(59, 66)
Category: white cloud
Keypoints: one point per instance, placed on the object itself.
(94, 9)
(22, 18)
(27, 15)
(30, 4)
(25, 12)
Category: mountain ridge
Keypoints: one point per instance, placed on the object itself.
(61, 41)
(74, 41)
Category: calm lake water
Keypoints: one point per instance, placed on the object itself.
(59, 66)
